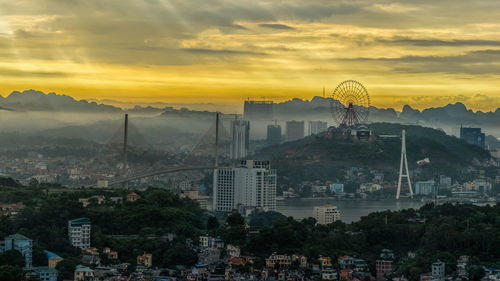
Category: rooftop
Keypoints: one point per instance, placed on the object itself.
(17, 236)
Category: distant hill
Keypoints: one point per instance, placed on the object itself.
(318, 157)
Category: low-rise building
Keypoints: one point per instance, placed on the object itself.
(52, 259)
(45, 273)
(326, 214)
(438, 269)
(83, 273)
(132, 197)
(280, 260)
(145, 260)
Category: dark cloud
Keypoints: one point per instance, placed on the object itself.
(276, 26)
(474, 62)
(16, 73)
(427, 42)
(220, 52)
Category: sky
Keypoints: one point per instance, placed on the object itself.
(418, 52)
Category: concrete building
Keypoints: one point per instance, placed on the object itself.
(326, 214)
(425, 187)
(337, 188)
(79, 233)
(383, 268)
(22, 244)
(444, 181)
(251, 184)
(258, 110)
(45, 273)
(294, 130)
(273, 134)
(316, 127)
(52, 259)
(83, 273)
(473, 136)
(145, 260)
(240, 138)
(438, 269)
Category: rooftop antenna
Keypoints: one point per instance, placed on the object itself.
(404, 160)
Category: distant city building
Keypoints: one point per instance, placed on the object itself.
(337, 187)
(425, 187)
(132, 197)
(79, 233)
(384, 265)
(326, 214)
(252, 184)
(52, 259)
(444, 181)
(294, 130)
(438, 269)
(145, 260)
(83, 273)
(22, 244)
(383, 268)
(316, 127)
(273, 134)
(45, 273)
(240, 138)
(473, 136)
(258, 110)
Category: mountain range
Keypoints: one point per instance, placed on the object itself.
(448, 118)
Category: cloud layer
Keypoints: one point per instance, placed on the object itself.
(225, 51)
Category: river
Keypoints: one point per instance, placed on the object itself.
(350, 210)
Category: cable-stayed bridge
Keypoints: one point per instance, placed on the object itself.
(211, 143)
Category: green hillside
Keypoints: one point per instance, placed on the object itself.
(323, 158)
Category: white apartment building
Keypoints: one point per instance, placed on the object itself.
(79, 233)
(252, 184)
(326, 214)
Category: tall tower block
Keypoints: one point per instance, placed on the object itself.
(404, 161)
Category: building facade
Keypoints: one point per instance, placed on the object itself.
(316, 127)
(326, 214)
(79, 233)
(425, 187)
(273, 134)
(294, 130)
(473, 136)
(22, 244)
(251, 184)
(240, 138)
(258, 110)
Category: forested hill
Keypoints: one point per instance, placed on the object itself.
(320, 157)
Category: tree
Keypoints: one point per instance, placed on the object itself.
(12, 258)
(212, 223)
(10, 273)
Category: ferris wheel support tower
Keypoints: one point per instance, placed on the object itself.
(404, 160)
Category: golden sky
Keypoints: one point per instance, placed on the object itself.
(418, 52)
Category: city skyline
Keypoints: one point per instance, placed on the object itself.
(417, 53)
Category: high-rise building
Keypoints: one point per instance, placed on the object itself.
(251, 184)
(294, 130)
(79, 233)
(316, 127)
(326, 214)
(473, 136)
(425, 187)
(240, 138)
(273, 134)
(21, 244)
(258, 110)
